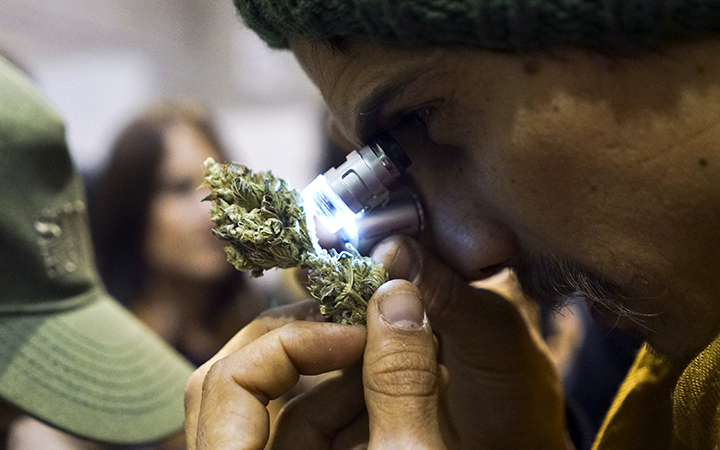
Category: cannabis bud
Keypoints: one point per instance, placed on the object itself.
(265, 224)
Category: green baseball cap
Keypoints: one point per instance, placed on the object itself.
(70, 355)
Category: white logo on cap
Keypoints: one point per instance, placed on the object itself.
(62, 238)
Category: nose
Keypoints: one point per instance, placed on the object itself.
(474, 246)
(200, 209)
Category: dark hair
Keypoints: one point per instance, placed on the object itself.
(120, 193)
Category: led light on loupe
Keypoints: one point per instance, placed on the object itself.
(328, 207)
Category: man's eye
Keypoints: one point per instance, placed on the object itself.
(417, 122)
(423, 115)
(417, 117)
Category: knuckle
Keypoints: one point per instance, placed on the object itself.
(193, 387)
(216, 376)
(214, 372)
(402, 373)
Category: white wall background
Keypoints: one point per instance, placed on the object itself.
(101, 61)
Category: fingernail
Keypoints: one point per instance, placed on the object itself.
(398, 259)
(402, 309)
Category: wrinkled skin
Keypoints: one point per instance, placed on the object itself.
(608, 165)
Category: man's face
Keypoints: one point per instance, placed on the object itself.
(579, 171)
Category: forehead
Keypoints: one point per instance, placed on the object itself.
(355, 81)
(185, 149)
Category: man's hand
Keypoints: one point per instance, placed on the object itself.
(504, 393)
(400, 381)
(395, 395)
(401, 377)
(226, 398)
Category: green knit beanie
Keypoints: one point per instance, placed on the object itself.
(493, 24)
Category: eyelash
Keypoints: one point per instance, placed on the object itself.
(417, 117)
(423, 114)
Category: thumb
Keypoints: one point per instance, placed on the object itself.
(400, 371)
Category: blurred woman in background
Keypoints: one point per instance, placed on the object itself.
(152, 232)
(156, 253)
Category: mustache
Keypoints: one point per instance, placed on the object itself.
(555, 282)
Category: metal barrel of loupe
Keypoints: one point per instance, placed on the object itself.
(354, 199)
(401, 214)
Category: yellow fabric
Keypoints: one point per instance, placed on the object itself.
(660, 406)
(697, 401)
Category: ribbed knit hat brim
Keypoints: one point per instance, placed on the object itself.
(493, 24)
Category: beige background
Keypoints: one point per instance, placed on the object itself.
(100, 61)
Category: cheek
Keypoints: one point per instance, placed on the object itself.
(171, 220)
(549, 193)
(165, 237)
(572, 183)
(561, 185)
(179, 239)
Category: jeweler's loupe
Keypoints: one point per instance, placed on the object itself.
(353, 203)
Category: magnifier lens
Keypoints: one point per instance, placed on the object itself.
(360, 185)
(328, 207)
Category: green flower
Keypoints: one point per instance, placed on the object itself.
(265, 225)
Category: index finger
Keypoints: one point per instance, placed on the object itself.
(266, 322)
(237, 388)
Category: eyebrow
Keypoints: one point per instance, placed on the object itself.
(367, 116)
